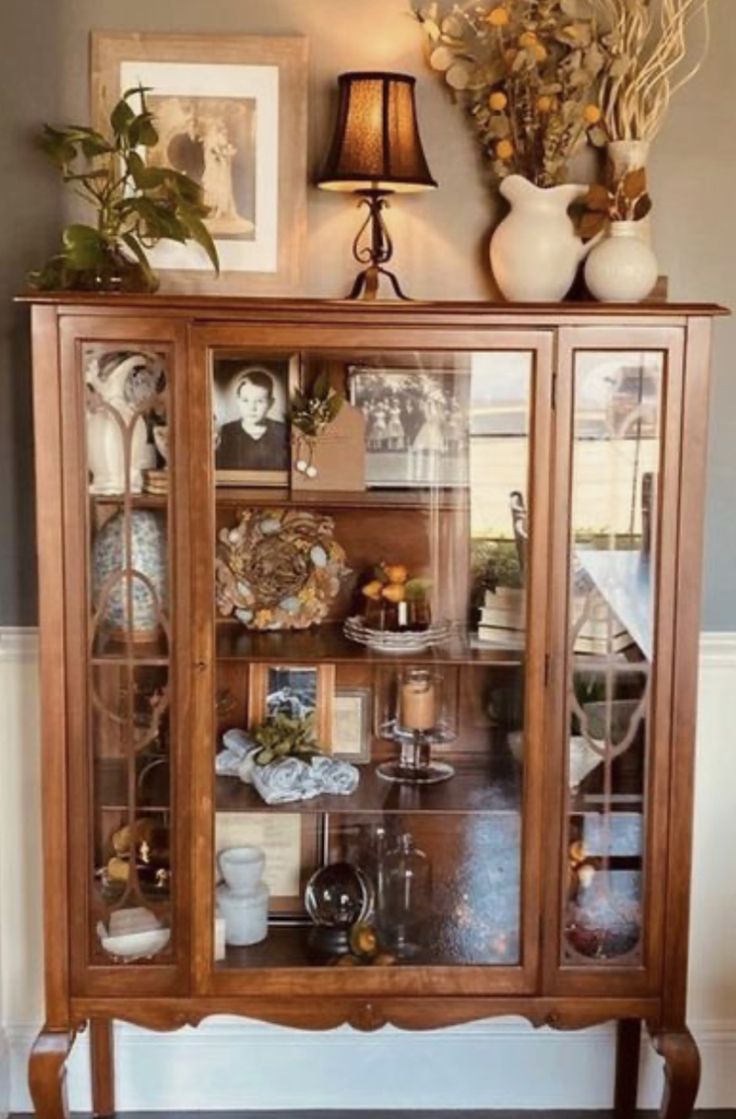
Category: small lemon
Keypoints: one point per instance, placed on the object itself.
(394, 592)
(527, 39)
(498, 101)
(592, 114)
(504, 149)
(498, 17)
(372, 589)
(544, 103)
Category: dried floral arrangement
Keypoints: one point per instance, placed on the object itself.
(648, 47)
(627, 200)
(530, 74)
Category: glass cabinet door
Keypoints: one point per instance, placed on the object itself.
(120, 412)
(616, 404)
(373, 699)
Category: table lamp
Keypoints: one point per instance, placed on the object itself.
(376, 151)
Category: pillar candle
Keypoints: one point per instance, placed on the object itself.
(418, 703)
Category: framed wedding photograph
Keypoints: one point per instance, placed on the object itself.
(351, 724)
(296, 690)
(250, 404)
(230, 112)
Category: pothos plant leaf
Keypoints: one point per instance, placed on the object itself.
(136, 204)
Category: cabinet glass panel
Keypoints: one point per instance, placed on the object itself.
(128, 639)
(616, 464)
(370, 639)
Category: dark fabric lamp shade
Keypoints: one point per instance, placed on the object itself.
(376, 146)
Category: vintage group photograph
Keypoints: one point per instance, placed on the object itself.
(416, 426)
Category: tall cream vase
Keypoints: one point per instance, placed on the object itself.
(535, 251)
(625, 156)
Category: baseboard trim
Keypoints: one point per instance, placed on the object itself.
(18, 643)
(242, 1066)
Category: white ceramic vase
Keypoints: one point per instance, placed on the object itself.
(121, 383)
(535, 251)
(623, 267)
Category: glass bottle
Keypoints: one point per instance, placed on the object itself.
(406, 896)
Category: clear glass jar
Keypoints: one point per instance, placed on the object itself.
(406, 886)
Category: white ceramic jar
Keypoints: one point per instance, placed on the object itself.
(242, 900)
(623, 267)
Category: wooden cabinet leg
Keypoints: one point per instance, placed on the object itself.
(628, 1042)
(102, 1061)
(681, 1073)
(47, 1074)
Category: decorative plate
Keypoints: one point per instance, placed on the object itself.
(278, 568)
(390, 641)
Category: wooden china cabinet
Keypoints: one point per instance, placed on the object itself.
(534, 477)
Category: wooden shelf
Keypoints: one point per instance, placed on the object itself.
(108, 650)
(419, 498)
(328, 643)
(137, 500)
(470, 791)
(289, 947)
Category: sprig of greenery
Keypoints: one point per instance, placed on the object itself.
(136, 205)
(312, 412)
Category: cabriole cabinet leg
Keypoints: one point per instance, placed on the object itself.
(102, 1061)
(47, 1074)
(681, 1073)
(628, 1042)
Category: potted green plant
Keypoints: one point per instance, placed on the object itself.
(136, 205)
(499, 588)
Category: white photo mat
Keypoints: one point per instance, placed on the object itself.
(229, 80)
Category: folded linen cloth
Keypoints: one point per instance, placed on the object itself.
(231, 761)
(336, 777)
(285, 780)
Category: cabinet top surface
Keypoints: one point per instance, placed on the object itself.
(212, 307)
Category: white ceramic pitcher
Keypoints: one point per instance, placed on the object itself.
(535, 251)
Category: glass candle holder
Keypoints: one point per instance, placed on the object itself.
(418, 714)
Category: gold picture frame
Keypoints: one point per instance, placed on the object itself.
(227, 368)
(232, 113)
(317, 681)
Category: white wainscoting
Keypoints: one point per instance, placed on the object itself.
(239, 1065)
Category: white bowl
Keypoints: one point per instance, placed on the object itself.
(135, 946)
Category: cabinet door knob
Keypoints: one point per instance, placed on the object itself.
(200, 665)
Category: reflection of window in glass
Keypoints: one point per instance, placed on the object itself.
(499, 466)
(616, 455)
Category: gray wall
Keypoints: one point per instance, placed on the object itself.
(441, 238)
